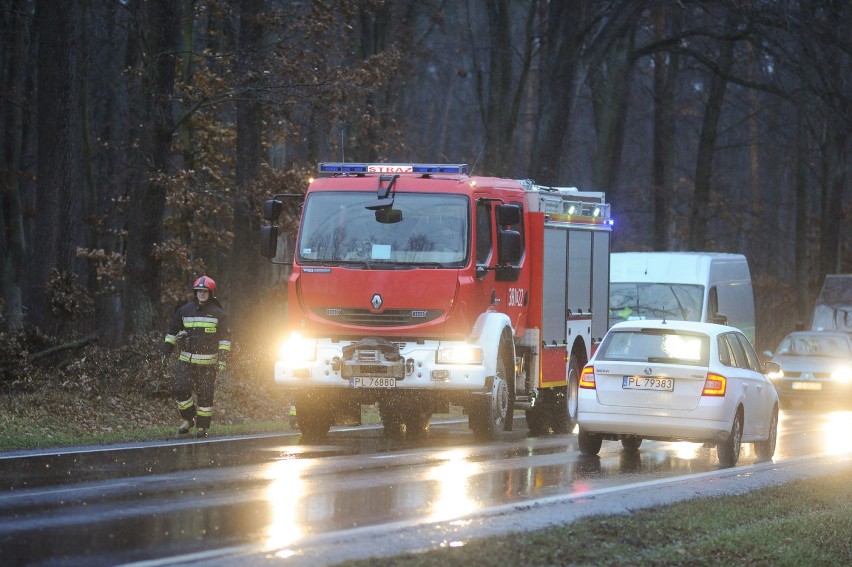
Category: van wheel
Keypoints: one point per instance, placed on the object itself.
(631, 443)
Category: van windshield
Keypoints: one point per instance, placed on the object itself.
(420, 229)
(632, 301)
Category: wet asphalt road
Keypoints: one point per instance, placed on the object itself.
(191, 500)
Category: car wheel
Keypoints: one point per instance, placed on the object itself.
(589, 443)
(631, 443)
(728, 451)
(765, 449)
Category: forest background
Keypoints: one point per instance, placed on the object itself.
(141, 137)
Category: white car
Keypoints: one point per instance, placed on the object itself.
(678, 381)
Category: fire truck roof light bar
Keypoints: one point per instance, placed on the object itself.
(422, 168)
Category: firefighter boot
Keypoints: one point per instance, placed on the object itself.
(201, 433)
(185, 426)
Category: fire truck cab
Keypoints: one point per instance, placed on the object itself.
(417, 286)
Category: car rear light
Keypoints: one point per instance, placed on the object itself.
(587, 377)
(715, 385)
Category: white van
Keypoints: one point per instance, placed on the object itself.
(688, 286)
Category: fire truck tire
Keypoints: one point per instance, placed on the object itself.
(417, 424)
(315, 420)
(536, 421)
(589, 443)
(391, 420)
(567, 405)
(488, 419)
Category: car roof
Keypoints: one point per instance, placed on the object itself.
(689, 326)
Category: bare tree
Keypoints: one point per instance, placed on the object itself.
(250, 65)
(12, 242)
(577, 37)
(60, 174)
(160, 42)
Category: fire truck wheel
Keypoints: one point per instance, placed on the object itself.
(315, 420)
(488, 420)
(391, 420)
(417, 424)
(567, 405)
(536, 421)
(589, 443)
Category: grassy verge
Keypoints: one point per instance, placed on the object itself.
(804, 522)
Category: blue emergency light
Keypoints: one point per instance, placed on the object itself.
(421, 168)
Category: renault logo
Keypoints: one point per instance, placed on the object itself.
(376, 302)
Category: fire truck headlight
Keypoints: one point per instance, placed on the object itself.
(460, 354)
(297, 349)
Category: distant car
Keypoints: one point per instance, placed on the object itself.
(678, 381)
(815, 365)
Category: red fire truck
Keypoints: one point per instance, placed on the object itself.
(417, 286)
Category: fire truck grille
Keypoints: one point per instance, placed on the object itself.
(387, 318)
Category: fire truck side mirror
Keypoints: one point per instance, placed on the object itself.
(510, 247)
(269, 241)
(508, 215)
(272, 209)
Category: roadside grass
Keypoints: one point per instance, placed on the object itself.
(803, 522)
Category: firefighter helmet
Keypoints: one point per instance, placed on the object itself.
(205, 282)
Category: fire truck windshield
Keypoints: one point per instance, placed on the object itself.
(430, 230)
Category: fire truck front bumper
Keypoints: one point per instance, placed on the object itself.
(376, 363)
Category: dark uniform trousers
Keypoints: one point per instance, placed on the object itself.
(198, 378)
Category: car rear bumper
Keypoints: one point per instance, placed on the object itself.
(666, 428)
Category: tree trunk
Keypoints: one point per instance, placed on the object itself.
(245, 259)
(11, 222)
(611, 92)
(60, 174)
(802, 265)
(833, 176)
(147, 193)
(706, 148)
(500, 96)
(663, 160)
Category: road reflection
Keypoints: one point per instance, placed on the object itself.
(285, 489)
(452, 479)
(837, 433)
(276, 492)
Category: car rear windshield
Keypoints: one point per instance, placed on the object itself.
(655, 345)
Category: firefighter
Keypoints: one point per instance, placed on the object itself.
(202, 332)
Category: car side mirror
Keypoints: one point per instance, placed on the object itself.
(719, 319)
(771, 368)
